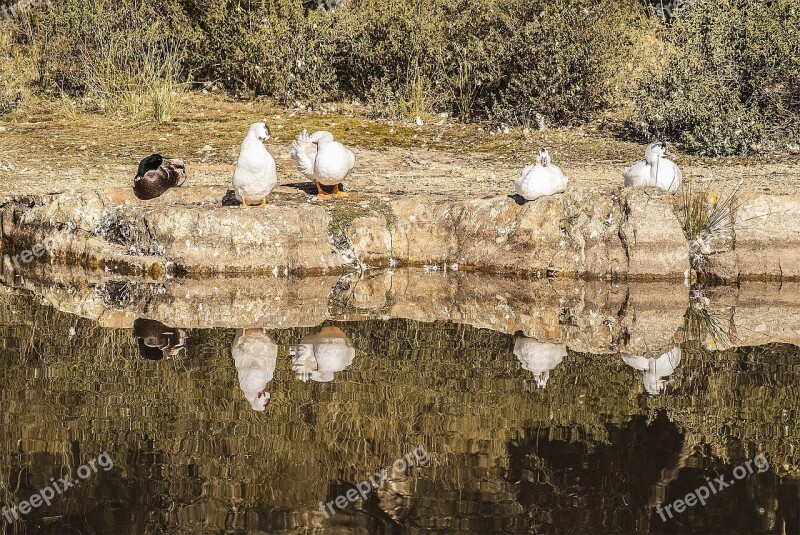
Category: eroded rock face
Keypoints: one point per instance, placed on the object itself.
(230, 240)
(581, 233)
(586, 232)
(767, 237)
(759, 240)
(117, 232)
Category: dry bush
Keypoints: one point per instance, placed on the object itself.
(128, 56)
(16, 70)
(721, 77)
(729, 81)
(500, 59)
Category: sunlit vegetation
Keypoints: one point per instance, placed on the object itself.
(720, 77)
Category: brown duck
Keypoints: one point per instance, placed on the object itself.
(156, 175)
(156, 340)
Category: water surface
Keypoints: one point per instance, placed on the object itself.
(586, 427)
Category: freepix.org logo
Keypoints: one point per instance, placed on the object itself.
(46, 495)
(711, 487)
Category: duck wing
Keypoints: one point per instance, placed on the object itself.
(667, 175)
(638, 175)
(304, 152)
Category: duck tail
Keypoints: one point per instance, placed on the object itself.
(304, 152)
(176, 171)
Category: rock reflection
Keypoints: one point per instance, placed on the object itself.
(156, 340)
(321, 353)
(655, 369)
(394, 494)
(255, 355)
(538, 357)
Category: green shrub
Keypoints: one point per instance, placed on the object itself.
(502, 59)
(562, 58)
(728, 81)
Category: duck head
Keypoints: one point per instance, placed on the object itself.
(150, 163)
(260, 131)
(656, 150)
(542, 378)
(543, 158)
(156, 340)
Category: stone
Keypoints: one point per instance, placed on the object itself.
(652, 235)
(370, 236)
(767, 230)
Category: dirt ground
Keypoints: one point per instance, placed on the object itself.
(49, 147)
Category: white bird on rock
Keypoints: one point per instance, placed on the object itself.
(655, 170)
(540, 179)
(255, 175)
(324, 161)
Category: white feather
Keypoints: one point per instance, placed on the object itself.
(304, 152)
(255, 175)
(321, 158)
(654, 171)
(541, 179)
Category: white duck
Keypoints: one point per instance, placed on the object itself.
(255, 175)
(541, 179)
(655, 368)
(538, 357)
(323, 160)
(321, 353)
(255, 355)
(655, 170)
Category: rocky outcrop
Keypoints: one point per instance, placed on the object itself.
(584, 233)
(608, 233)
(116, 231)
(759, 240)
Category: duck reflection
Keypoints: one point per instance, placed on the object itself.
(655, 368)
(538, 357)
(321, 353)
(156, 340)
(255, 355)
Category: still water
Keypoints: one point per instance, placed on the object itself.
(447, 419)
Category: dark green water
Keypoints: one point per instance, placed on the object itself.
(591, 452)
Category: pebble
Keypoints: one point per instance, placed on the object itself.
(419, 121)
(206, 148)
